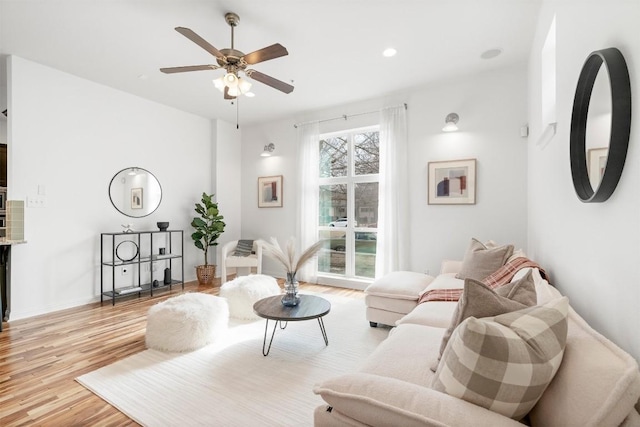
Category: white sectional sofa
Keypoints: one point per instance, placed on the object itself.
(596, 384)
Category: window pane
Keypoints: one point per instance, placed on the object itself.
(366, 151)
(366, 204)
(333, 157)
(333, 205)
(332, 259)
(365, 254)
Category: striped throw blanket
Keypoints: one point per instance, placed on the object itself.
(500, 277)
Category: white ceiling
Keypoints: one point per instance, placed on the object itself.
(335, 46)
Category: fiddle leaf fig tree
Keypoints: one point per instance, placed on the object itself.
(208, 226)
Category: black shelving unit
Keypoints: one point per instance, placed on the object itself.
(147, 254)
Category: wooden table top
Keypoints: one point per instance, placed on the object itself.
(309, 307)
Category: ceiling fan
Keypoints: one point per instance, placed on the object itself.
(234, 62)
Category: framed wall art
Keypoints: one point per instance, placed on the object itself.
(136, 198)
(597, 161)
(452, 182)
(270, 191)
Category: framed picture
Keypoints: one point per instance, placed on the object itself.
(270, 191)
(452, 182)
(597, 161)
(136, 198)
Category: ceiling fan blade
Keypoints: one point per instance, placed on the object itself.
(226, 94)
(170, 70)
(188, 33)
(265, 54)
(270, 81)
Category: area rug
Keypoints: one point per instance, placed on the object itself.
(230, 382)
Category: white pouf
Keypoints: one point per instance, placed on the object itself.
(186, 322)
(242, 292)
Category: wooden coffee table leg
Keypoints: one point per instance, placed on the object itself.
(323, 330)
(264, 341)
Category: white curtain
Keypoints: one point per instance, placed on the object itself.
(308, 136)
(393, 194)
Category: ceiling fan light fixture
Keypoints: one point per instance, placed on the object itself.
(233, 62)
(219, 83)
(230, 80)
(244, 85)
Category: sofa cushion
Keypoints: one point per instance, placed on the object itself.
(478, 300)
(433, 313)
(402, 306)
(444, 281)
(597, 384)
(518, 253)
(400, 285)
(379, 401)
(480, 261)
(406, 354)
(505, 363)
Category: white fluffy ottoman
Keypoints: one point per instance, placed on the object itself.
(242, 292)
(186, 322)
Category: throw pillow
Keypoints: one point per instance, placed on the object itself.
(480, 261)
(243, 248)
(478, 300)
(505, 363)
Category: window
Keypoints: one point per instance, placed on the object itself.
(348, 203)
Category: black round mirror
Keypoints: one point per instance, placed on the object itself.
(135, 192)
(607, 164)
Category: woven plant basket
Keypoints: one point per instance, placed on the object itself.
(206, 274)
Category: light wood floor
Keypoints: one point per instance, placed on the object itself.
(41, 356)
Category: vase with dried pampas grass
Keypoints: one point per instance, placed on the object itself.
(288, 259)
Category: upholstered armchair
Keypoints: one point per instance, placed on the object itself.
(241, 264)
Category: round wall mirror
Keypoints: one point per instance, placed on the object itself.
(600, 125)
(598, 128)
(135, 192)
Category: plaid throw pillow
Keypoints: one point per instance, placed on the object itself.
(505, 363)
(478, 300)
(243, 248)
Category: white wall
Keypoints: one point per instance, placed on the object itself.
(590, 250)
(492, 108)
(228, 182)
(72, 135)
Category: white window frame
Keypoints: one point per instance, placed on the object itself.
(349, 279)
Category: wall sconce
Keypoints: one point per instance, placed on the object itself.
(268, 149)
(450, 122)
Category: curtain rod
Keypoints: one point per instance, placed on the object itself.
(345, 116)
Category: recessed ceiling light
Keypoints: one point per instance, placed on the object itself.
(491, 53)
(389, 52)
(250, 94)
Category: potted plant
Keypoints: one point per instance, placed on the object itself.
(208, 227)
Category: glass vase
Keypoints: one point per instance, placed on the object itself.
(291, 297)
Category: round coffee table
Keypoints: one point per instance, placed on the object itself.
(310, 307)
